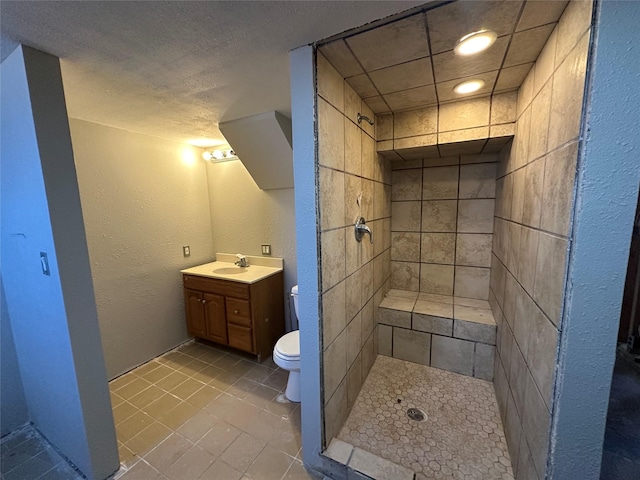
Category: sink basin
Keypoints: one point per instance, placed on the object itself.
(230, 270)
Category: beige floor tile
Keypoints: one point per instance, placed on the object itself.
(218, 438)
(221, 470)
(168, 452)
(141, 471)
(148, 367)
(298, 472)
(187, 388)
(259, 373)
(171, 381)
(269, 465)
(282, 406)
(178, 415)
(158, 374)
(261, 395)
(211, 355)
(146, 396)
(125, 454)
(121, 381)
(287, 438)
(263, 425)
(162, 405)
(193, 367)
(148, 438)
(197, 426)
(115, 399)
(191, 465)
(123, 411)
(278, 380)
(241, 367)
(243, 451)
(224, 380)
(132, 426)
(241, 387)
(203, 396)
(208, 373)
(133, 388)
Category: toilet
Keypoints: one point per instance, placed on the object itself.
(286, 354)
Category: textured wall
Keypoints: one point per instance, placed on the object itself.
(53, 317)
(353, 275)
(243, 217)
(533, 211)
(142, 199)
(606, 198)
(14, 406)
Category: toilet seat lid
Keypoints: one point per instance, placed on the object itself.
(289, 345)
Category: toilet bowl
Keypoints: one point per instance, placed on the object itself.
(286, 354)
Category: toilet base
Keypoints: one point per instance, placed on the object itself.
(293, 386)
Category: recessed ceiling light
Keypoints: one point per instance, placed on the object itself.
(469, 86)
(475, 42)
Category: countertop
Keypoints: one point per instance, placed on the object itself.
(225, 269)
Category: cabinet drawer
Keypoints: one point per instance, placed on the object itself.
(219, 287)
(240, 337)
(238, 311)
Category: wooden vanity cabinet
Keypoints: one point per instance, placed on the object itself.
(249, 317)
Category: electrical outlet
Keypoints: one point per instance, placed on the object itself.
(266, 249)
(186, 251)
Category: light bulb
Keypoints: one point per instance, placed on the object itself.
(475, 42)
(469, 86)
(207, 155)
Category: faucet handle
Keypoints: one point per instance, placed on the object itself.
(361, 229)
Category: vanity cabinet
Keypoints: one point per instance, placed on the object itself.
(249, 317)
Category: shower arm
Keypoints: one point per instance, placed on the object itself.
(365, 118)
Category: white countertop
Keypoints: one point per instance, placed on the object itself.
(224, 269)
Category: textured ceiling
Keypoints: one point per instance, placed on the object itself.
(410, 63)
(175, 69)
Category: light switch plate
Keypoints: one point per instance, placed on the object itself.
(266, 249)
(186, 251)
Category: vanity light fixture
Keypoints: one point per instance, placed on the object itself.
(475, 42)
(469, 86)
(219, 155)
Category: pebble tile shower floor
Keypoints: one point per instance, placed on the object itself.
(461, 437)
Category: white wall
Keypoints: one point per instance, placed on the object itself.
(143, 198)
(53, 317)
(243, 217)
(14, 411)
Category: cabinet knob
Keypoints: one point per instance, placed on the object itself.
(235, 311)
(204, 301)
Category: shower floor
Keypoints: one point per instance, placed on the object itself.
(461, 437)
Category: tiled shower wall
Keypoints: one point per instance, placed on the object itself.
(353, 181)
(533, 212)
(442, 225)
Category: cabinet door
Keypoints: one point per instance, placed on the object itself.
(214, 313)
(194, 305)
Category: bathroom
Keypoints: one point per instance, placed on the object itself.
(375, 208)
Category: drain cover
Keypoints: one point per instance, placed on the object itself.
(416, 414)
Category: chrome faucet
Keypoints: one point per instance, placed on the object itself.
(361, 229)
(242, 261)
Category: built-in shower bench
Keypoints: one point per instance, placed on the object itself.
(452, 333)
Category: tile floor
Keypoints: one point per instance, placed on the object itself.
(201, 412)
(26, 455)
(197, 412)
(462, 436)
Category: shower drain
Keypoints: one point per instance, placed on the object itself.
(416, 414)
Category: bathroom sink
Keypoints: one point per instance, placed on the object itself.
(230, 270)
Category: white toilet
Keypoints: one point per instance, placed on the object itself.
(286, 354)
